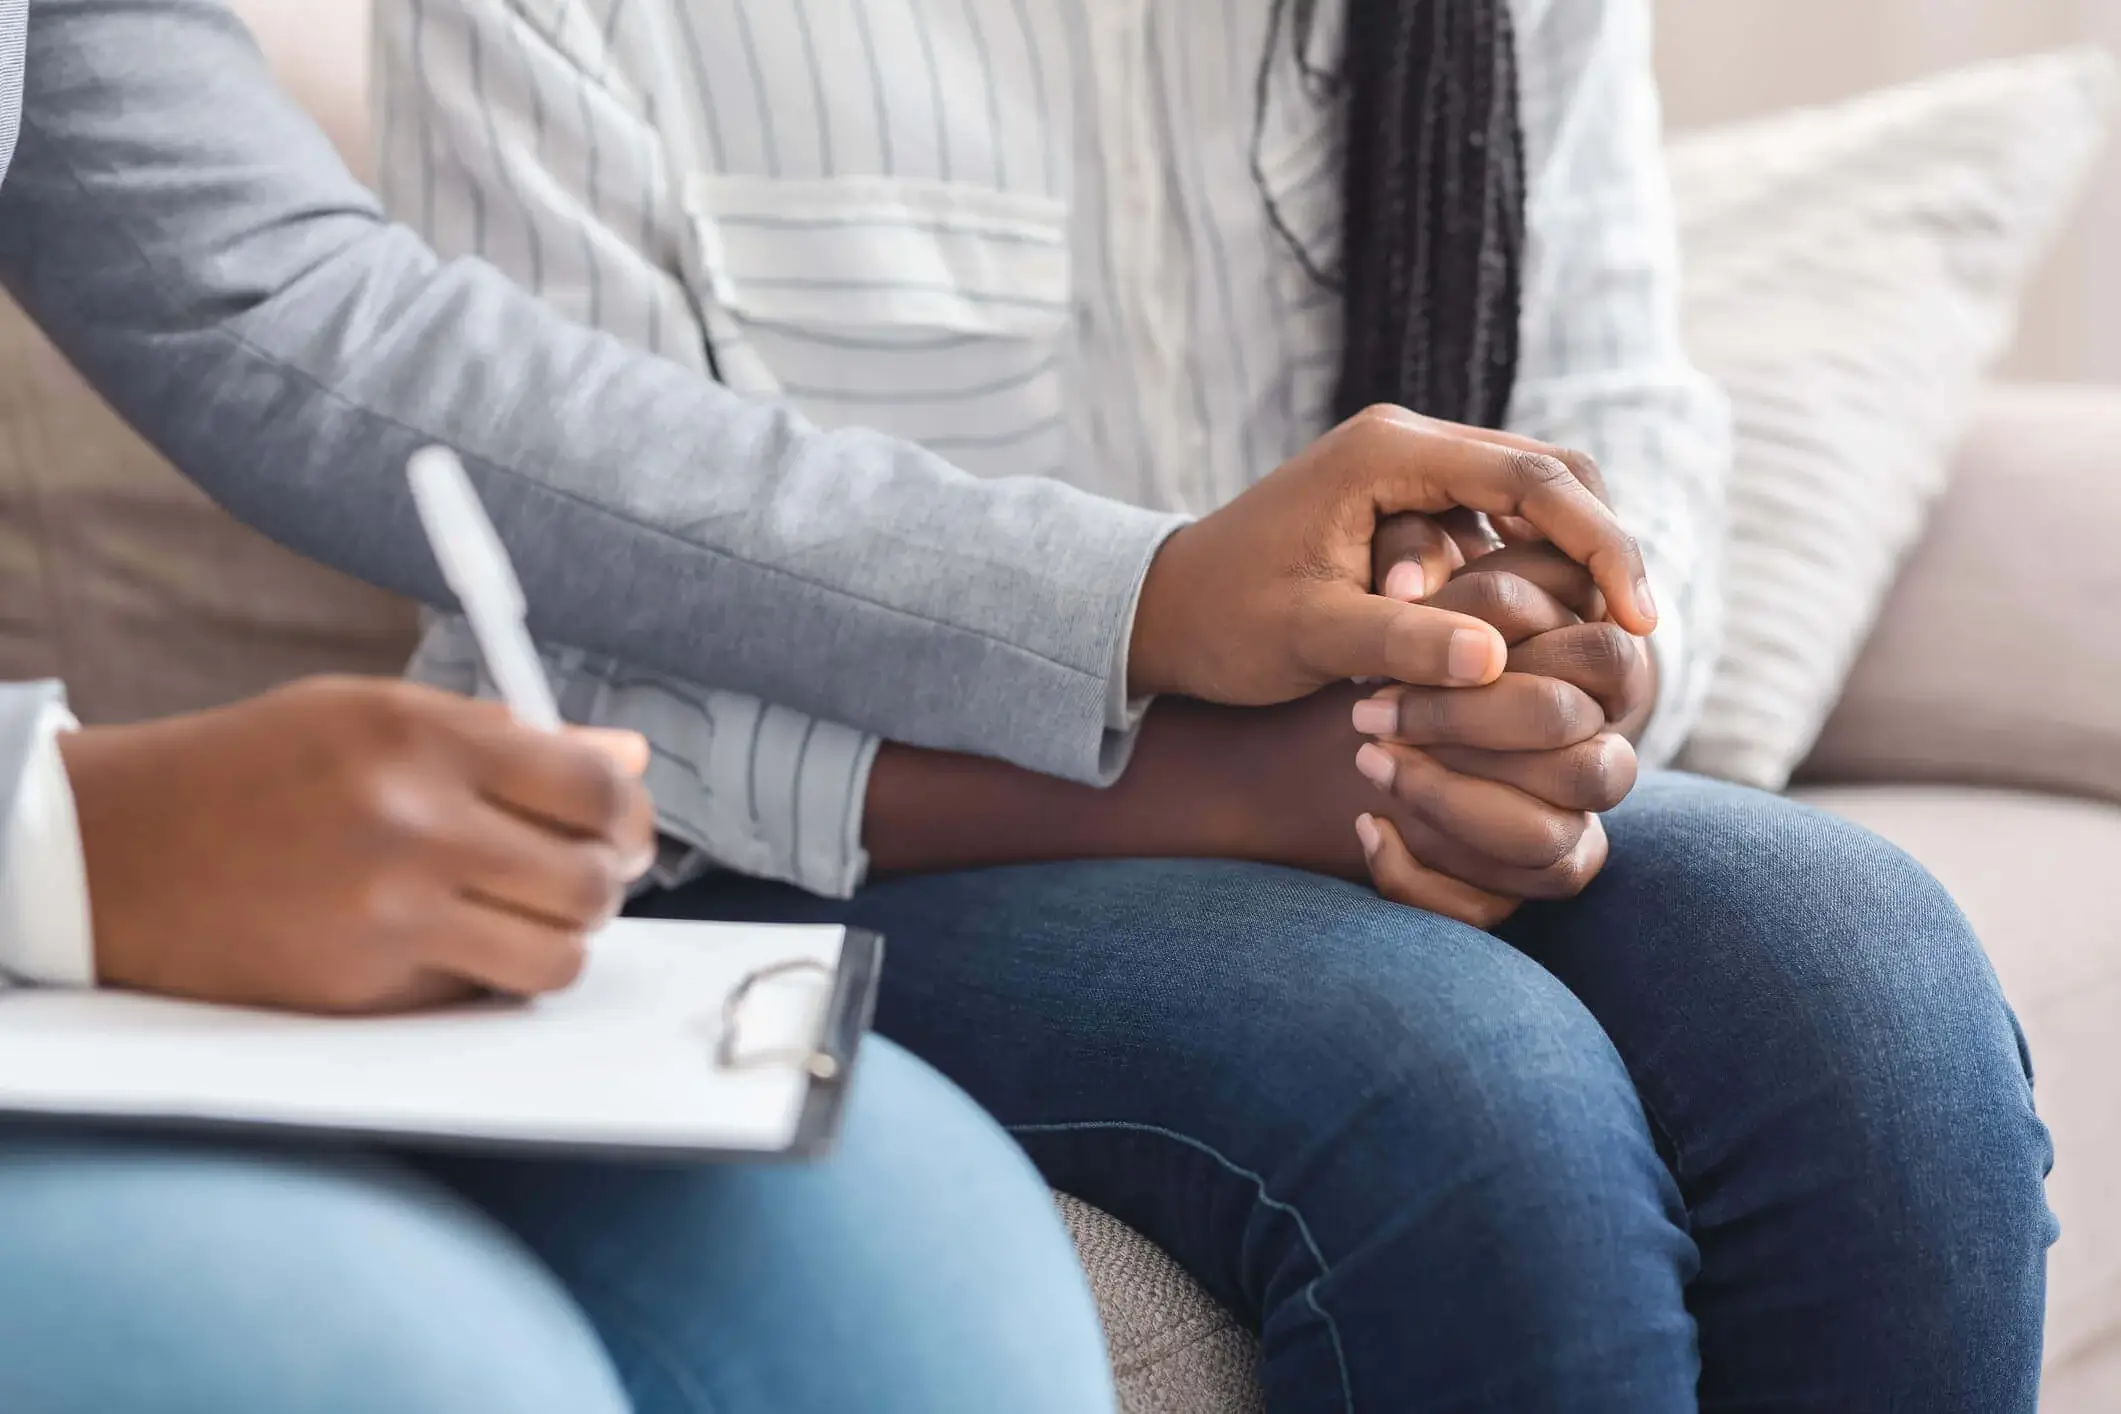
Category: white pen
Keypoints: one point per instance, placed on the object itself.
(475, 564)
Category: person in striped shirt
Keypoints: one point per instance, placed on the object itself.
(1473, 1065)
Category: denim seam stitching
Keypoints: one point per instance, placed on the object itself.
(1325, 1268)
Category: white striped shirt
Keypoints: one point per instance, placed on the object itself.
(1037, 237)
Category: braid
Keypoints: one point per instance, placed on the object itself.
(1433, 196)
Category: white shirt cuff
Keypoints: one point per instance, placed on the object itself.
(45, 934)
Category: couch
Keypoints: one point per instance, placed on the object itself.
(1981, 731)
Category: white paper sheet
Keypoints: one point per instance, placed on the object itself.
(625, 1057)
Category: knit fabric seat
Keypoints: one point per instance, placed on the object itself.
(1174, 1350)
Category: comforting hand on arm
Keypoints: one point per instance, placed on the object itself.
(1497, 803)
(196, 248)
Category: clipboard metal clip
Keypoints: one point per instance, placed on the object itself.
(729, 1053)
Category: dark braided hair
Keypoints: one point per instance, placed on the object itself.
(1433, 199)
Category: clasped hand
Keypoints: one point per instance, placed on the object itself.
(1490, 795)
(1520, 674)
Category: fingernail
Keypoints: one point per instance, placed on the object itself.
(1366, 831)
(1377, 765)
(1645, 600)
(1377, 716)
(640, 864)
(1406, 582)
(1471, 654)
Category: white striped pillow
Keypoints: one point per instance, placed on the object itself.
(1852, 272)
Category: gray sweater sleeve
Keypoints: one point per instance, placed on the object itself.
(193, 244)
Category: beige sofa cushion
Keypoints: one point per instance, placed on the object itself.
(1997, 658)
(1851, 273)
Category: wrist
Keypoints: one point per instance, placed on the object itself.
(1152, 649)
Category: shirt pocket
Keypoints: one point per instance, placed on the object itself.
(933, 311)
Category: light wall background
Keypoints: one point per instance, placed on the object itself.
(1725, 59)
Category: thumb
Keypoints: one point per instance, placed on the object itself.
(627, 750)
(1356, 635)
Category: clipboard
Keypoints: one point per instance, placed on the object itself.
(686, 1042)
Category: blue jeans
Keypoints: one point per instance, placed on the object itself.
(921, 1269)
(1746, 1126)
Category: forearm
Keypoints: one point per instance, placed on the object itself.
(1273, 785)
(928, 811)
(195, 246)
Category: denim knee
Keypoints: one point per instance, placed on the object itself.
(1823, 940)
(228, 1282)
(1846, 1015)
(1469, 1086)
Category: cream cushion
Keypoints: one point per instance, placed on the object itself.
(1997, 658)
(1851, 274)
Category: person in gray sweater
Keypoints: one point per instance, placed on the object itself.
(193, 245)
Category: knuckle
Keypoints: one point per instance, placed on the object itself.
(1564, 880)
(639, 830)
(1606, 650)
(375, 910)
(386, 914)
(1496, 597)
(1584, 467)
(1551, 839)
(393, 703)
(1536, 469)
(601, 796)
(1573, 875)
(1598, 774)
(393, 718)
(601, 888)
(1422, 790)
(1558, 712)
(399, 810)
(612, 795)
